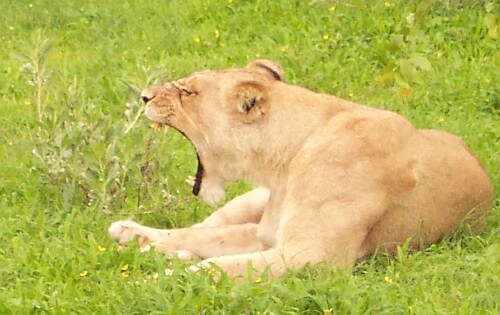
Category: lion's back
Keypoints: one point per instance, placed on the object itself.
(431, 181)
(451, 188)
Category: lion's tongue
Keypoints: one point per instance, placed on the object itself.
(157, 126)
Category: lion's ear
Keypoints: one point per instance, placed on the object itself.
(267, 67)
(250, 100)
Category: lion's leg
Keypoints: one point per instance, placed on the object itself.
(192, 242)
(301, 240)
(247, 208)
(236, 266)
(276, 261)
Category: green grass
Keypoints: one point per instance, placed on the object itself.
(64, 179)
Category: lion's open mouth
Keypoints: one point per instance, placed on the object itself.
(199, 177)
(200, 170)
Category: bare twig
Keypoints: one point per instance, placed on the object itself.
(145, 168)
(136, 119)
(139, 213)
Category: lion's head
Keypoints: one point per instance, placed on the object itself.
(219, 112)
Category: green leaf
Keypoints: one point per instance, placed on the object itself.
(421, 62)
(110, 151)
(113, 173)
(490, 20)
(91, 158)
(66, 154)
(37, 155)
(493, 32)
(407, 70)
(398, 78)
(489, 7)
(21, 57)
(397, 42)
(385, 78)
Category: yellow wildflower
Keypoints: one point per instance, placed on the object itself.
(11, 27)
(332, 9)
(326, 36)
(388, 279)
(327, 310)
(441, 118)
(125, 274)
(197, 39)
(83, 273)
(30, 5)
(439, 54)
(101, 248)
(148, 48)
(258, 280)
(387, 4)
(125, 267)
(217, 33)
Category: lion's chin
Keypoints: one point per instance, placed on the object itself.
(208, 189)
(211, 194)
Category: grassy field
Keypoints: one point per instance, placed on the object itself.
(76, 154)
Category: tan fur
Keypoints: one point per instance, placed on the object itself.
(337, 180)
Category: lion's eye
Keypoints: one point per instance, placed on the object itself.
(187, 92)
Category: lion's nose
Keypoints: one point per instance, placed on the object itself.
(147, 98)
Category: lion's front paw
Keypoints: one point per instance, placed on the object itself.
(124, 231)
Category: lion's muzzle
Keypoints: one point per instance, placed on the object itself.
(161, 104)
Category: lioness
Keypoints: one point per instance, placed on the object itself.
(336, 180)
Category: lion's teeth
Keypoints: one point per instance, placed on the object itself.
(157, 126)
